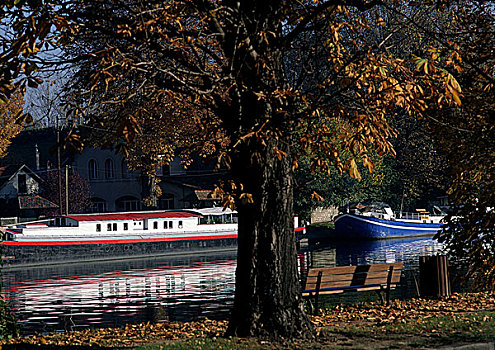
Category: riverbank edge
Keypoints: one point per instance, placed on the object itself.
(455, 322)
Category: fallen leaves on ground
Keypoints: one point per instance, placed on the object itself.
(130, 335)
(403, 311)
(369, 314)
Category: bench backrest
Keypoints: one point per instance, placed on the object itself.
(348, 276)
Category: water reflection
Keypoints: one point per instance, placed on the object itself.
(389, 251)
(368, 252)
(114, 293)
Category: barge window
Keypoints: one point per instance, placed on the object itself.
(126, 226)
(170, 224)
(180, 224)
(109, 227)
(155, 225)
(98, 227)
(115, 227)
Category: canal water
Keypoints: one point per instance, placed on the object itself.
(111, 294)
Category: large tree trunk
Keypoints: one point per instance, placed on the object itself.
(267, 299)
(268, 293)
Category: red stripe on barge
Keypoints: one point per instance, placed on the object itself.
(117, 241)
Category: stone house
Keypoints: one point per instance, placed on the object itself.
(19, 193)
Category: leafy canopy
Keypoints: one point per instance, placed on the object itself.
(11, 119)
(467, 136)
(146, 65)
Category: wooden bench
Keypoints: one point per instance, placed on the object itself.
(378, 277)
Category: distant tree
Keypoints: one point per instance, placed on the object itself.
(11, 119)
(46, 103)
(79, 192)
(421, 171)
(467, 137)
(315, 189)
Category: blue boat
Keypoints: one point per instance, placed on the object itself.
(378, 221)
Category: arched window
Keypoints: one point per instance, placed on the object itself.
(108, 169)
(127, 203)
(166, 201)
(124, 169)
(98, 205)
(92, 169)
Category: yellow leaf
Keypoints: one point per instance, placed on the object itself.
(455, 95)
(246, 198)
(279, 153)
(353, 170)
(380, 22)
(294, 165)
(316, 196)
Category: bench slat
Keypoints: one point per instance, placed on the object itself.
(332, 270)
(352, 269)
(357, 275)
(370, 278)
(342, 288)
(350, 284)
(311, 292)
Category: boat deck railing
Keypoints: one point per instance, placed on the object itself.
(379, 216)
(413, 216)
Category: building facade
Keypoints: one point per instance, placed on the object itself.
(113, 186)
(116, 188)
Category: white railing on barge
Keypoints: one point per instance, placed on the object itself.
(424, 217)
(412, 216)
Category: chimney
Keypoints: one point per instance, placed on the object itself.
(37, 157)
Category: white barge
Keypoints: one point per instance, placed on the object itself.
(91, 237)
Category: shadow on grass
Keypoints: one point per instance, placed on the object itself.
(56, 347)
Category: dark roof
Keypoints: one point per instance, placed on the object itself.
(7, 171)
(130, 216)
(201, 181)
(35, 202)
(203, 194)
(199, 195)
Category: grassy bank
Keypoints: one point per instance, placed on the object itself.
(323, 225)
(417, 323)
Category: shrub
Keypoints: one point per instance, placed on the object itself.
(8, 323)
